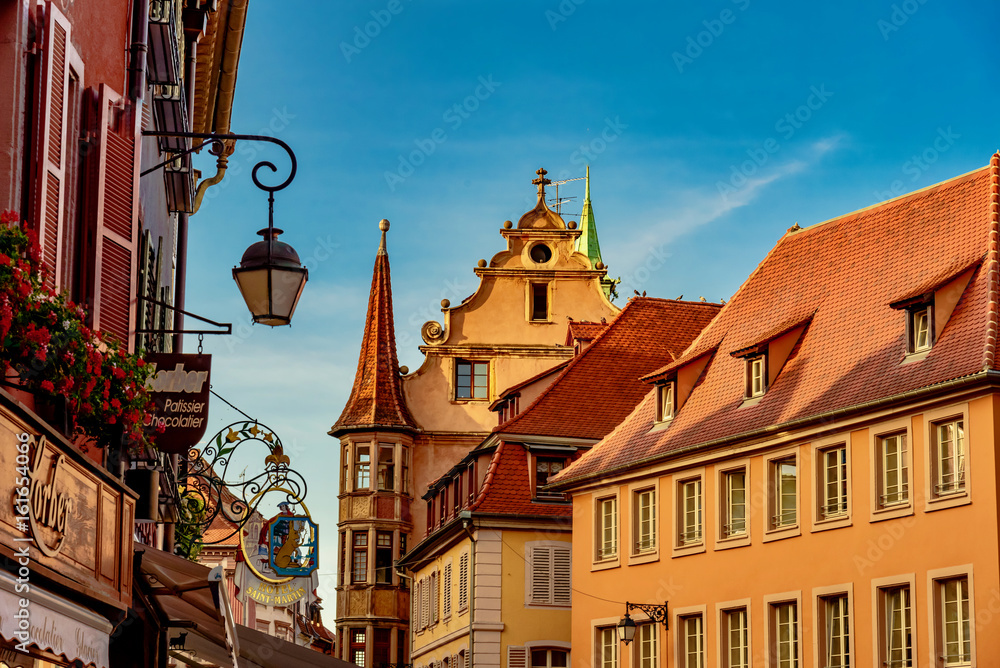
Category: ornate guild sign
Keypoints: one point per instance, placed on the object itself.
(293, 541)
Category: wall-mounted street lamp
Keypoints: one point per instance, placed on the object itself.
(270, 275)
(626, 627)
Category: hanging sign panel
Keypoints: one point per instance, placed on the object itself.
(179, 387)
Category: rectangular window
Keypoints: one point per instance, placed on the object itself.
(689, 505)
(896, 629)
(471, 379)
(734, 505)
(783, 493)
(756, 376)
(835, 640)
(401, 642)
(544, 658)
(345, 460)
(893, 470)
(784, 634)
(357, 648)
(380, 646)
(539, 301)
(949, 457)
(549, 574)
(383, 557)
(644, 521)
(648, 645)
(359, 573)
(692, 650)
(664, 402)
(954, 622)
(544, 468)
(404, 480)
(343, 556)
(833, 481)
(735, 639)
(607, 528)
(920, 329)
(607, 647)
(386, 467)
(362, 467)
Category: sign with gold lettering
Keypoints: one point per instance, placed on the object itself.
(179, 388)
(278, 560)
(49, 505)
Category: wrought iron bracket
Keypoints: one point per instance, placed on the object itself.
(227, 326)
(207, 493)
(656, 613)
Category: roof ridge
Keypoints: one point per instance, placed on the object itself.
(892, 200)
(993, 265)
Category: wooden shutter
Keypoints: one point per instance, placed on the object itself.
(562, 570)
(113, 202)
(540, 559)
(463, 581)
(517, 657)
(447, 591)
(48, 168)
(425, 605)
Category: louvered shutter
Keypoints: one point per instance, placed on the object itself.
(540, 560)
(425, 602)
(113, 216)
(562, 571)
(48, 173)
(463, 581)
(517, 657)
(447, 591)
(435, 597)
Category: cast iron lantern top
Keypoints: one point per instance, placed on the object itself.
(656, 613)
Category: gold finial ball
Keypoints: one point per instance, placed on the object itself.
(481, 263)
(403, 370)
(383, 225)
(445, 303)
(571, 224)
(507, 224)
(600, 265)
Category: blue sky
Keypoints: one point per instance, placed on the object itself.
(709, 127)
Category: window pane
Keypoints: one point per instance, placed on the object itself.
(735, 504)
(362, 467)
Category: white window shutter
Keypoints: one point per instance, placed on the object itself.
(517, 657)
(562, 572)
(540, 560)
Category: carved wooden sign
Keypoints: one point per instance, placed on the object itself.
(179, 387)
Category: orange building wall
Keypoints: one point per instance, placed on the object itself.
(856, 554)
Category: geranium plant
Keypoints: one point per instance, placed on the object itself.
(45, 341)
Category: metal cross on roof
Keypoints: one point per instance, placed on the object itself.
(541, 181)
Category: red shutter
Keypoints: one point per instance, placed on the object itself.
(48, 173)
(113, 212)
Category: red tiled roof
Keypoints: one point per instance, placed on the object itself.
(583, 330)
(847, 270)
(507, 488)
(376, 399)
(601, 385)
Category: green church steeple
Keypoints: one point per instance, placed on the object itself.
(587, 243)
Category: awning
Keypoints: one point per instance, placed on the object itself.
(54, 624)
(259, 650)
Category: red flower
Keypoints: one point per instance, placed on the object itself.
(116, 404)
(47, 385)
(118, 372)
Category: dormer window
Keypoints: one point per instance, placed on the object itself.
(756, 373)
(665, 402)
(545, 467)
(920, 325)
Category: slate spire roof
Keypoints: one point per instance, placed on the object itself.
(376, 400)
(842, 280)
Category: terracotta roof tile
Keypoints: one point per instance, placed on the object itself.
(507, 489)
(376, 399)
(601, 385)
(583, 330)
(847, 270)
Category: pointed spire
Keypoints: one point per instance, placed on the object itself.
(376, 400)
(587, 242)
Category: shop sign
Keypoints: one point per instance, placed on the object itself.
(48, 506)
(179, 388)
(278, 558)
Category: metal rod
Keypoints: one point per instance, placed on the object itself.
(178, 155)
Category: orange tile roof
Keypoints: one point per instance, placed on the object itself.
(583, 330)
(846, 271)
(507, 488)
(376, 400)
(601, 385)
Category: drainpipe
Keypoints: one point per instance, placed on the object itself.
(466, 516)
(137, 58)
